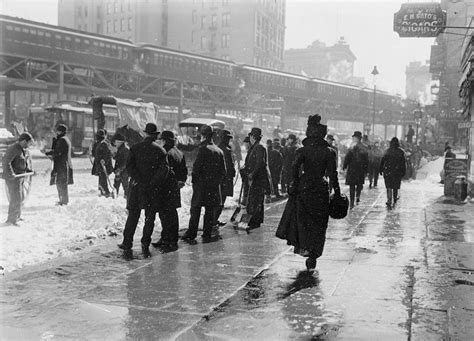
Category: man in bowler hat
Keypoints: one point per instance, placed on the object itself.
(148, 169)
(171, 190)
(357, 163)
(207, 176)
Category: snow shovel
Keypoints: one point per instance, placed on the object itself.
(112, 193)
(240, 214)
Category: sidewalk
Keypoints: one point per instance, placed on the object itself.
(400, 274)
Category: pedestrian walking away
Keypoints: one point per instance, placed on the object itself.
(120, 167)
(15, 163)
(255, 177)
(288, 159)
(227, 188)
(375, 156)
(393, 168)
(207, 176)
(148, 169)
(275, 164)
(62, 173)
(305, 218)
(356, 162)
(172, 191)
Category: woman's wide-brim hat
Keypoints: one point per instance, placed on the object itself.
(151, 129)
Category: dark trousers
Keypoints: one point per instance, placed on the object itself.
(210, 220)
(275, 182)
(15, 193)
(221, 208)
(373, 175)
(123, 180)
(169, 224)
(62, 193)
(131, 226)
(354, 190)
(103, 184)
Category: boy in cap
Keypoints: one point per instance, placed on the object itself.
(120, 167)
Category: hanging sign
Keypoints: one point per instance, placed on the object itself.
(421, 19)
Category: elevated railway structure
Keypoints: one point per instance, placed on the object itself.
(42, 57)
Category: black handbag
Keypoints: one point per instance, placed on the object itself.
(338, 206)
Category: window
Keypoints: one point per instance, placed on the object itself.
(109, 26)
(85, 27)
(203, 21)
(129, 24)
(109, 8)
(115, 6)
(194, 16)
(115, 25)
(192, 36)
(225, 2)
(99, 12)
(79, 27)
(214, 20)
(225, 19)
(122, 25)
(99, 28)
(225, 40)
(85, 11)
(203, 42)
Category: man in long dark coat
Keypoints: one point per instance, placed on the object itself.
(172, 191)
(256, 179)
(148, 169)
(275, 163)
(62, 169)
(15, 162)
(393, 168)
(289, 158)
(375, 156)
(227, 188)
(102, 159)
(207, 175)
(120, 167)
(357, 163)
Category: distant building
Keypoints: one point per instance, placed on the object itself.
(250, 32)
(418, 82)
(334, 63)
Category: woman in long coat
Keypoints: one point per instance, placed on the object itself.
(393, 169)
(305, 219)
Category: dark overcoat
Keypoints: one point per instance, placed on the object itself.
(290, 155)
(357, 163)
(275, 163)
(148, 169)
(305, 218)
(255, 176)
(123, 153)
(102, 151)
(62, 163)
(393, 167)
(178, 172)
(207, 175)
(15, 161)
(227, 187)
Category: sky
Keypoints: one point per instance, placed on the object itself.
(367, 26)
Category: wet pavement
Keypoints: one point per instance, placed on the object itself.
(407, 273)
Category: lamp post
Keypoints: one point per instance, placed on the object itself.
(374, 72)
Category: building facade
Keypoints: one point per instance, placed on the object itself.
(245, 31)
(334, 63)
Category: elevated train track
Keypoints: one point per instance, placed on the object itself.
(38, 56)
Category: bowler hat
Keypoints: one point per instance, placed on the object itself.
(292, 136)
(26, 136)
(167, 135)
(61, 127)
(206, 130)
(119, 137)
(357, 134)
(101, 133)
(330, 137)
(226, 134)
(256, 132)
(151, 129)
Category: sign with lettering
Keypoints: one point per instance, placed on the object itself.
(464, 125)
(421, 19)
(453, 168)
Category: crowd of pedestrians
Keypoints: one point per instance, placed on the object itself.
(153, 171)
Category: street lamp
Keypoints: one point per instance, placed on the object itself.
(374, 72)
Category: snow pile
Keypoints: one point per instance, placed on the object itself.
(5, 134)
(51, 231)
(430, 171)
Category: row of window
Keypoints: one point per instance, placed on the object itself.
(113, 7)
(225, 20)
(189, 64)
(63, 41)
(212, 44)
(113, 26)
(277, 80)
(212, 3)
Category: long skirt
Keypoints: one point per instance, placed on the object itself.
(305, 220)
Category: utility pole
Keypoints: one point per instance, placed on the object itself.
(374, 72)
